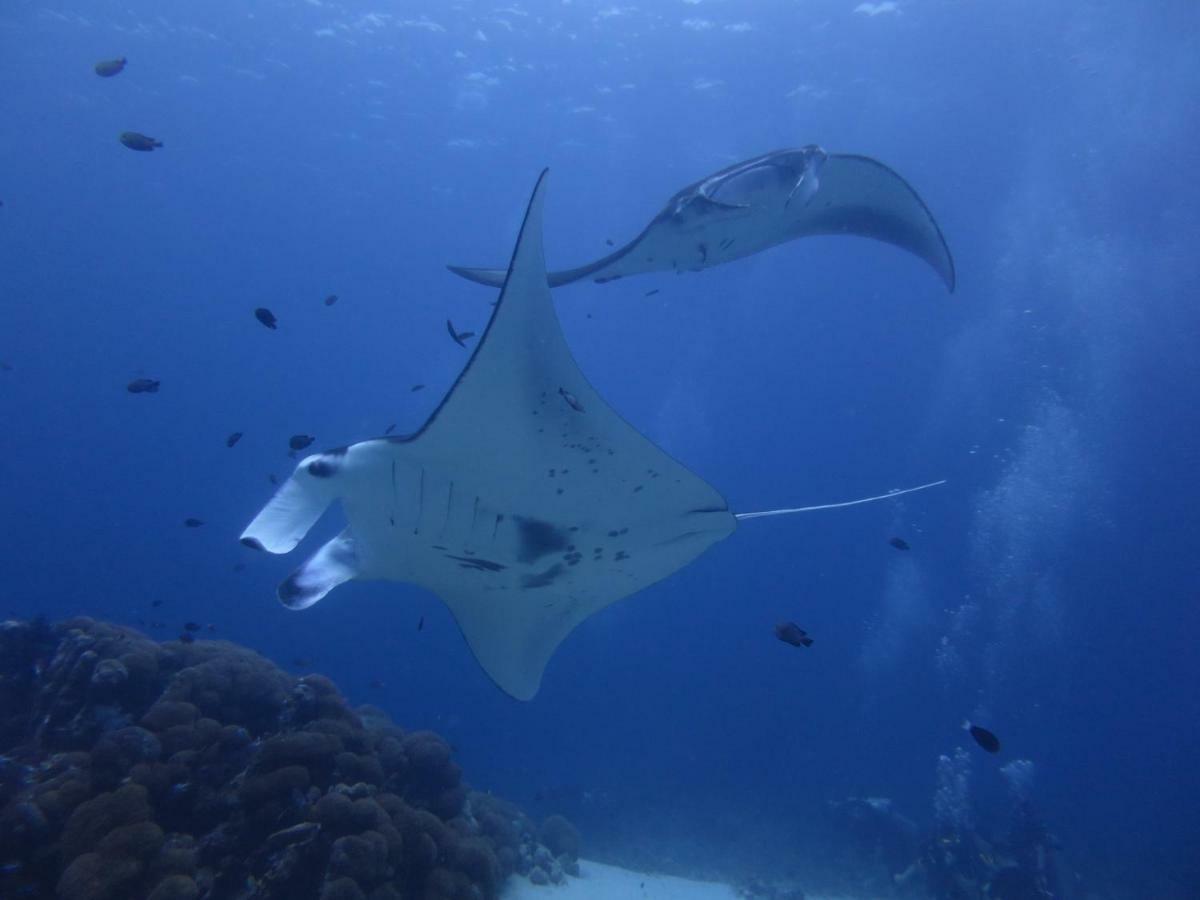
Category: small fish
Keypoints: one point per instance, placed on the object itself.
(791, 633)
(609, 241)
(982, 736)
(143, 386)
(390, 428)
(899, 543)
(265, 316)
(135, 141)
(331, 299)
(273, 478)
(459, 336)
(186, 638)
(107, 68)
(156, 603)
(193, 523)
(233, 439)
(191, 626)
(651, 293)
(571, 400)
(300, 441)
(421, 623)
(418, 387)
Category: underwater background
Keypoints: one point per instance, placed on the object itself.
(355, 148)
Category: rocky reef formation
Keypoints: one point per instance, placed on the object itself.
(200, 771)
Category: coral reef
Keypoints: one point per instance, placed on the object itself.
(200, 771)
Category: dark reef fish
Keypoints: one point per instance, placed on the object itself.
(390, 428)
(982, 736)
(899, 543)
(273, 478)
(791, 633)
(421, 623)
(300, 441)
(156, 603)
(265, 316)
(107, 68)
(651, 293)
(331, 299)
(418, 387)
(143, 386)
(233, 439)
(135, 141)
(458, 336)
(193, 523)
(191, 626)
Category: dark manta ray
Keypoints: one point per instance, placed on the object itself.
(523, 511)
(765, 201)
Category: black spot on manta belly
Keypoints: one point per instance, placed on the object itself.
(474, 562)
(542, 579)
(538, 538)
(252, 543)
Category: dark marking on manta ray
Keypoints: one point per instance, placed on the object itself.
(571, 400)
(420, 502)
(537, 539)
(543, 579)
(474, 562)
(322, 468)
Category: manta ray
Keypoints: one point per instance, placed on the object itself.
(524, 502)
(769, 200)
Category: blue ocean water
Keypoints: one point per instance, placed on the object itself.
(354, 148)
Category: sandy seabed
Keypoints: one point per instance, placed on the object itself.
(598, 881)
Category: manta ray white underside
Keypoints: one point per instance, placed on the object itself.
(524, 502)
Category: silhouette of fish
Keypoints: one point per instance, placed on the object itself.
(458, 336)
(791, 633)
(300, 441)
(331, 299)
(107, 68)
(233, 439)
(135, 141)
(899, 543)
(193, 523)
(982, 736)
(143, 386)
(265, 316)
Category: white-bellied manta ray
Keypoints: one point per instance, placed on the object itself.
(769, 200)
(524, 501)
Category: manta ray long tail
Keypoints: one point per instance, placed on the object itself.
(800, 509)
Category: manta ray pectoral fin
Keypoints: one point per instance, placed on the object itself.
(294, 509)
(495, 277)
(335, 563)
(490, 277)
